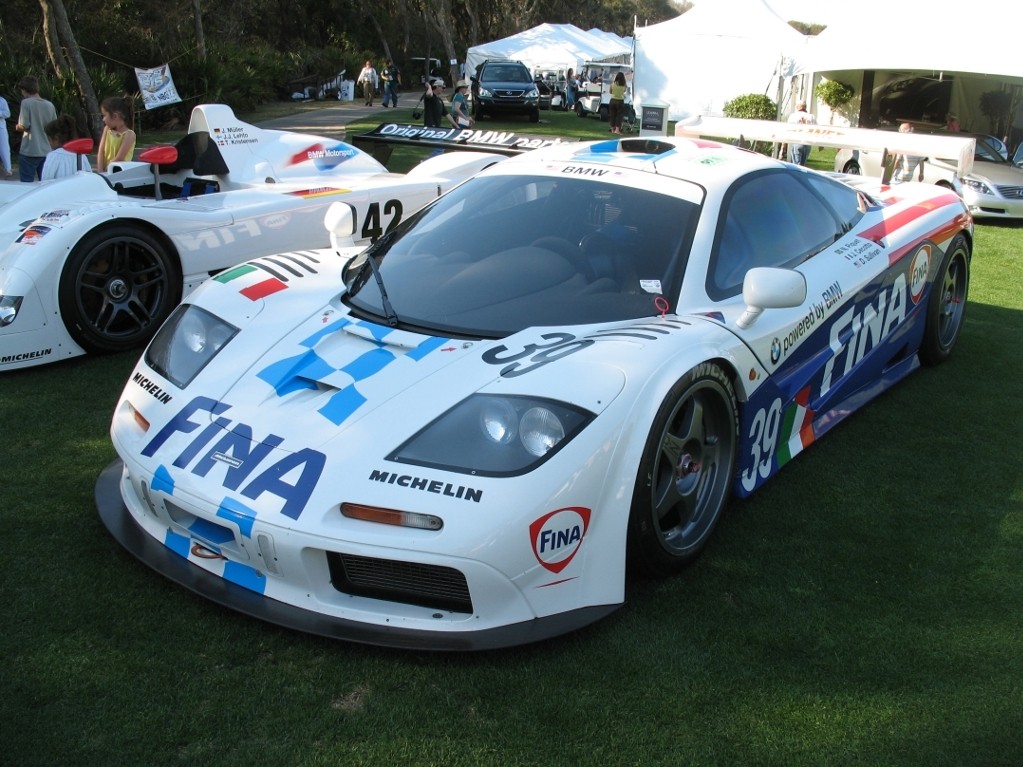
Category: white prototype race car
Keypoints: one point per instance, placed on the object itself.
(96, 262)
(462, 437)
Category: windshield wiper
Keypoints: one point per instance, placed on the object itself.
(392, 318)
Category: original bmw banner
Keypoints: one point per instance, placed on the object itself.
(157, 86)
(502, 142)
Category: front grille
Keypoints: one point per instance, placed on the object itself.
(1011, 192)
(442, 588)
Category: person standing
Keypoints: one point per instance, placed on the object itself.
(368, 80)
(5, 141)
(616, 106)
(460, 106)
(35, 113)
(907, 166)
(571, 88)
(392, 79)
(433, 105)
(117, 143)
(800, 153)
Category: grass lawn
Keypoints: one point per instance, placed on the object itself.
(864, 608)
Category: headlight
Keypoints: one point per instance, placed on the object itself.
(9, 306)
(533, 94)
(188, 340)
(485, 93)
(977, 186)
(494, 436)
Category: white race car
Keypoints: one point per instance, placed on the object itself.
(462, 437)
(96, 262)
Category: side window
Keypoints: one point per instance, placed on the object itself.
(770, 219)
(844, 200)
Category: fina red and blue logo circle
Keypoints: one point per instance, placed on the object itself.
(557, 536)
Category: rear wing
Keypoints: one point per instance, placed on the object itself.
(958, 148)
(474, 139)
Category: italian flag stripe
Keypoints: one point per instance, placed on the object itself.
(263, 289)
(234, 274)
(796, 428)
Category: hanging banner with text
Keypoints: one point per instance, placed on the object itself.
(157, 86)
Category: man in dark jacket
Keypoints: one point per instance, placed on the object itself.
(435, 114)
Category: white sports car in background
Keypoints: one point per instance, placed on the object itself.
(96, 262)
(993, 189)
(462, 438)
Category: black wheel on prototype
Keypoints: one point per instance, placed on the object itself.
(686, 471)
(946, 307)
(118, 285)
(852, 168)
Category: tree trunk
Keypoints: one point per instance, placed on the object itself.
(53, 49)
(77, 64)
(438, 13)
(200, 36)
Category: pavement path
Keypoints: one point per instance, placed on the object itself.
(330, 120)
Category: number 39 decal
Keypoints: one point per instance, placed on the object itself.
(763, 434)
(535, 355)
(372, 226)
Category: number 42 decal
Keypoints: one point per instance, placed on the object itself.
(373, 225)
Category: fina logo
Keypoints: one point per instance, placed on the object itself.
(557, 536)
(918, 272)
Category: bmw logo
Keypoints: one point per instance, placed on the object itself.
(775, 351)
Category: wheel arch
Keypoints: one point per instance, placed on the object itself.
(149, 228)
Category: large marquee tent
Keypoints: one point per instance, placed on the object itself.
(548, 46)
(714, 52)
(981, 56)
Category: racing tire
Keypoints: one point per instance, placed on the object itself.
(852, 168)
(685, 474)
(946, 307)
(118, 285)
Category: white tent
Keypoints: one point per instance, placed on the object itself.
(553, 46)
(709, 55)
(982, 55)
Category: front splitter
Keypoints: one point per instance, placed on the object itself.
(115, 516)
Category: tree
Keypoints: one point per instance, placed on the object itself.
(54, 9)
(200, 35)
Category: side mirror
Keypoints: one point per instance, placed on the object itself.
(770, 288)
(157, 156)
(339, 221)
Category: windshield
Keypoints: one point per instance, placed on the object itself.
(505, 252)
(989, 151)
